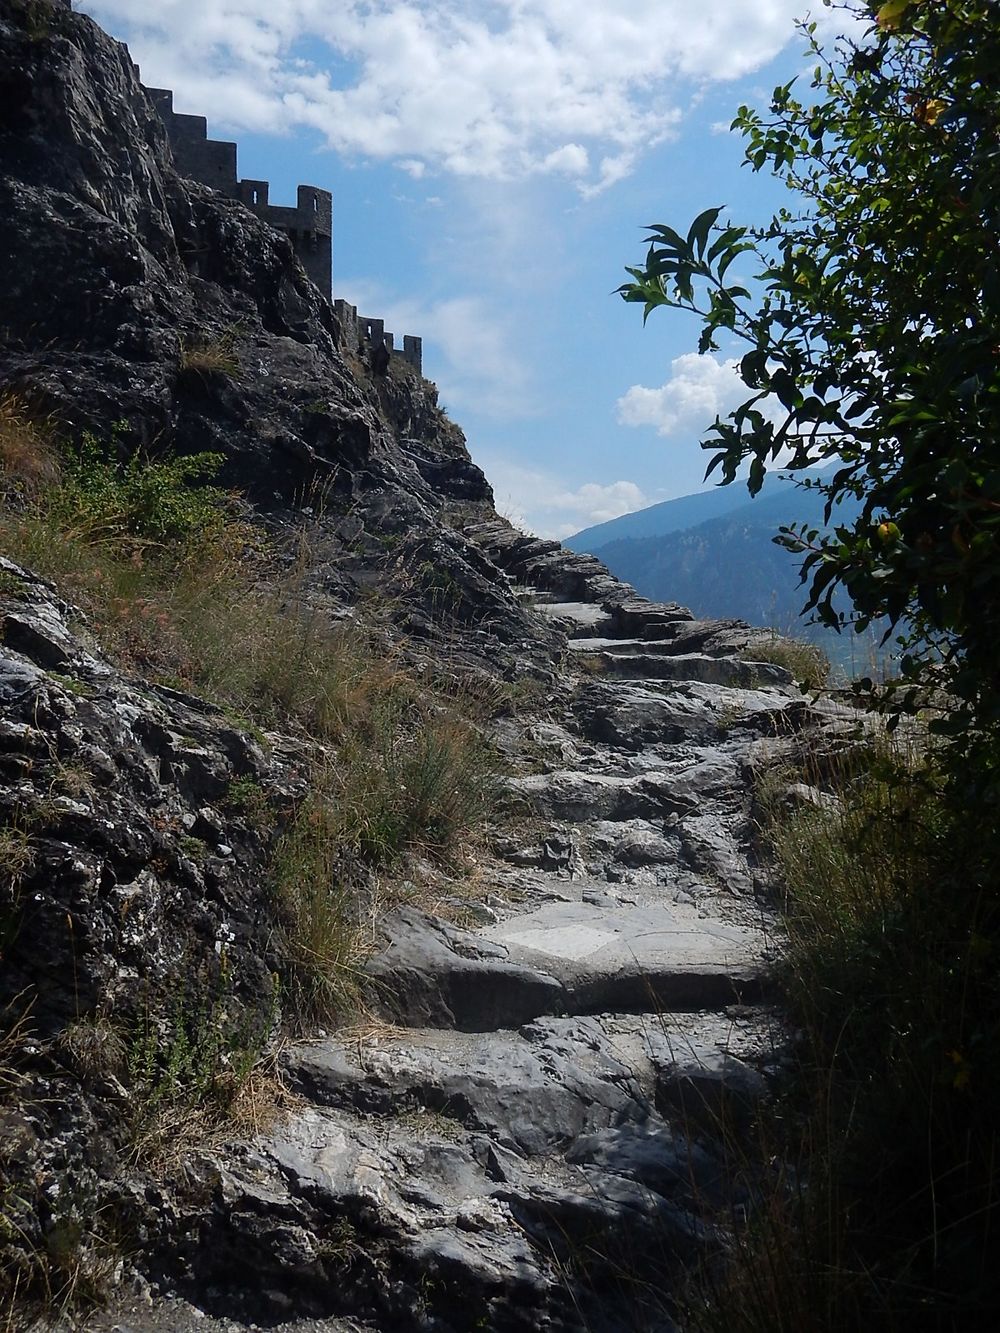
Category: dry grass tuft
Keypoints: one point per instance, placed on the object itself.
(210, 358)
(808, 664)
(29, 459)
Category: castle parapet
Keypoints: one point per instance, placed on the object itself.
(371, 334)
(211, 161)
(308, 225)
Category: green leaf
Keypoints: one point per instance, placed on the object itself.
(756, 478)
(697, 236)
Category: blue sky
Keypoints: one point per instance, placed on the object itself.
(492, 165)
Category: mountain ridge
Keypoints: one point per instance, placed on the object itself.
(685, 511)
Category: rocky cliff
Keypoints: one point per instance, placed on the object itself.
(118, 273)
(514, 1134)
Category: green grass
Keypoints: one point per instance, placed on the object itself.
(181, 589)
(885, 1212)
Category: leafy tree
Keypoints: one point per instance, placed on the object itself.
(873, 331)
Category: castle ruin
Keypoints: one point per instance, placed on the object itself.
(308, 225)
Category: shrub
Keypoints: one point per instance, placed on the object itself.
(143, 500)
(193, 1054)
(320, 911)
(888, 1122)
(809, 665)
(869, 335)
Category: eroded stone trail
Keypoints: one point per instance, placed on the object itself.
(525, 1135)
(525, 1131)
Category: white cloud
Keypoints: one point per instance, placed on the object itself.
(541, 502)
(471, 350)
(483, 88)
(572, 159)
(697, 390)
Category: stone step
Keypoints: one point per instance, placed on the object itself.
(643, 789)
(452, 1229)
(539, 1087)
(693, 667)
(576, 618)
(636, 617)
(563, 958)
(640, 715)
(534, 1089)
(626, 647)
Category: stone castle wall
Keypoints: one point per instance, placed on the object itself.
(308, 224)
(371, 334)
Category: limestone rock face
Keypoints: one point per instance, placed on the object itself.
(130, 873)
(118, 273)
(526, 1127)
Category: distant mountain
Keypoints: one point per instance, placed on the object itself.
(673, 515)
(728, 563)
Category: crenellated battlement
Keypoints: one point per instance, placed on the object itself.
(371, 335)
(308, 224)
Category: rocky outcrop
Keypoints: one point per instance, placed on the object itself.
(524, 1131)
(529, 1122)
(135, 825)
(139, 299)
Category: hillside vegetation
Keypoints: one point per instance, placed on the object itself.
(870, 330)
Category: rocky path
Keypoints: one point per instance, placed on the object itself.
(526, 1133)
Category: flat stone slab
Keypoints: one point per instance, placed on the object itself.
(650, 793)
(576, 616)
(694, 666)
(648, 956)
(434, 975)
(586, 956)
(655, 647)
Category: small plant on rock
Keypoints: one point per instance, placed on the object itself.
(206, 358)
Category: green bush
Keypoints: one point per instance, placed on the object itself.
(870, 330)
(142, 499)
(878, 1175)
